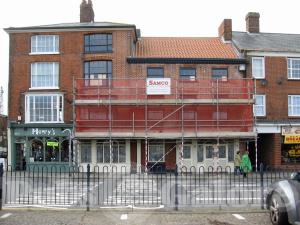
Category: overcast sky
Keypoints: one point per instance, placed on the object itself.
(153, 17)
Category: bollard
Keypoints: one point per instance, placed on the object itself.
(88, 188)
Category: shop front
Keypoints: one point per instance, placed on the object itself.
(290, 151)
(42, 147)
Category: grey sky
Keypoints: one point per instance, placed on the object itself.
(153, 17)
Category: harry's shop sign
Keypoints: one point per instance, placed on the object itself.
(42, 132)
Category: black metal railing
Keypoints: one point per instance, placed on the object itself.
(94, 187)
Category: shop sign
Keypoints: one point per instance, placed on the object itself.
(43, 132)
(293, 151)
(158, 86)
(52, 143)
(291, 139)
(39, 132)
(290, 130)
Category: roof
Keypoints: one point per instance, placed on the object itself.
(274, 42)
(183, 47)
(64, 26)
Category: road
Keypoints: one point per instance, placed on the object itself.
(80, 217)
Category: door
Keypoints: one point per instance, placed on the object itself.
(216, 157)
(20, 157)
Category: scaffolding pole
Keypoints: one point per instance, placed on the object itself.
(110, 129)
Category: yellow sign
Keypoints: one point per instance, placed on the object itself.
(291, 139)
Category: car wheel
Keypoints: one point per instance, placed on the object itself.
(278, 214)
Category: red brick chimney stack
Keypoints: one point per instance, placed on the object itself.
(86, 12)
(252, 22)
(225, 29)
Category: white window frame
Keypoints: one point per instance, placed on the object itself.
(103, 147)
(162, 146)
(262, 76)
(291, 69)
(35, 42)
(55, 75)
(59, 106)
(256, 106)
(291, 105)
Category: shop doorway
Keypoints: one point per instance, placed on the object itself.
(20, 157)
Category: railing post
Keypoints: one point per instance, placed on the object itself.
(261, 171)
(176, 188)
(88, 187)
(1, 181)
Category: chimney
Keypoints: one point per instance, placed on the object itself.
(225, 29)
(86, 12)
(252, 22)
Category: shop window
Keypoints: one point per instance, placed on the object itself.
(290, 153)
(86, 152)
(222, 151)
(294, 68)
(156, 153)
(44, 108)
(209, 152)
(98, 43)
(118, 152)
(37, 151)
(231, 152)
(44, 75)
(200, 153)
(45, 44)
(52, 150)
(155, 72)
(186, 152)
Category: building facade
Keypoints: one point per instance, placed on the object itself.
(126, 101)
(273, 63)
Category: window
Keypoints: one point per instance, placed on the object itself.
(260, 105)
(97, 72)
(218, 73)
(209, 152)
(86, 153)
(231, 152)
(98, 43)
(155, 72)
(188, 73)
(44, 75)
(294, 105)
(118, 152)
(156, 153)
(44, 108)
(187, 152)
(222, 151)
(44, 44)
(200, 153)
(258, 67)
(294, 68)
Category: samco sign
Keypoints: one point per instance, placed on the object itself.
(291, 139)
(158, 86)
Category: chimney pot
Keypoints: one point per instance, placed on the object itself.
(252, 22)
(86, 12)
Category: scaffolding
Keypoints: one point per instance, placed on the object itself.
(193, 109)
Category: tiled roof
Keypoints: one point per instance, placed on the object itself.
(267, 41)
(178, 47)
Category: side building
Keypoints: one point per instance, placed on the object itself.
(274, 63)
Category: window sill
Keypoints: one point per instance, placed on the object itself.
(98, 52)
(291, 79)
(44, 88)
(44, 122)
(44, 53)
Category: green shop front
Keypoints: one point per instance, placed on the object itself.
(43, 147)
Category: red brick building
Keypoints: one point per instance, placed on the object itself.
(127, 100)
(274, 63)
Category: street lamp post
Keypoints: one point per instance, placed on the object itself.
(71, 136)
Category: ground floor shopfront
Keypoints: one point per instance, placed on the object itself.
(39, 146)
(279, 145)
(159, 154)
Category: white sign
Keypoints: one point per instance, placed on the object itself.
(158, 86)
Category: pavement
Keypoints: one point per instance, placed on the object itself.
(126, 217)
